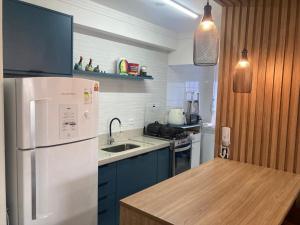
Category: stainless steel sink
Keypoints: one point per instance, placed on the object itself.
(120, 148)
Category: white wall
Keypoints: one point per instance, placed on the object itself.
(183, 55)
(125, 99)
(179, 75)
(2, 165)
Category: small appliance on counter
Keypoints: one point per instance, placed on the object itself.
(176, 117)
(192, 110)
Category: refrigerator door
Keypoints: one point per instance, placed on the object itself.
(55, 110)
(58, 185)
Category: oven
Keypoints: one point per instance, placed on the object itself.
(182, 154)
(180, 144)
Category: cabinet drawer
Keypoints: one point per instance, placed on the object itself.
(107, 180)
(106, 187)
(106, 217)
(106, 202)
(107, 172)
(107, 210)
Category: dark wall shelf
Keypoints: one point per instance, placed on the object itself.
(112, 75)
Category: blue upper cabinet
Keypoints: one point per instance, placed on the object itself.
(37, 41)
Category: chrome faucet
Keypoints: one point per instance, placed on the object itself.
(110, 138)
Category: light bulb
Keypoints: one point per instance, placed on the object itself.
(243, 63)
(207, 25)
(242, 80)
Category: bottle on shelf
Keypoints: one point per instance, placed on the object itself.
(78, 66)
(89, 67)
(96, 69)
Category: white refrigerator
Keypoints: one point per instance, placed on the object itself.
(51, 150)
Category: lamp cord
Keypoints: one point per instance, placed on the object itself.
(247, 24)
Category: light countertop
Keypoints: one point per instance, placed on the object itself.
(146, 144)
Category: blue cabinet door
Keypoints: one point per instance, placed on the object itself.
(135, 174)
(164, 165)
(36, 41)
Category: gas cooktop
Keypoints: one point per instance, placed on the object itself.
(165, 131)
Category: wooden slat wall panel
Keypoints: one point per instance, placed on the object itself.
(245, 98)
(266, 123)
(269, 82)
(278, 74)
(255, 62)
(234, 58)
(286, 86)
(258, 121)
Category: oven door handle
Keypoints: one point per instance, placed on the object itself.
(183, 149)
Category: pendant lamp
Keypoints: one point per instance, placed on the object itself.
(242, 80)
(206, 40)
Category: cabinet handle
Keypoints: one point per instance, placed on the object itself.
(102, 211)
(103, 184)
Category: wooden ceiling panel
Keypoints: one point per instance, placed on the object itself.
(230, 3)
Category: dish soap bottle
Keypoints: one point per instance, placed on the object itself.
(122, 66)
(78, 66)
(89, 67)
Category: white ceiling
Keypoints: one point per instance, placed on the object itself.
(156, 12)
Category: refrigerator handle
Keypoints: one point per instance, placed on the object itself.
(33, 185)
(32, 124)
(32, 120)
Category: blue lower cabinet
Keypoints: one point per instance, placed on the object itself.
(107, 194)
(107, 210)
(126, 177)
(135, 174)
(164, 164)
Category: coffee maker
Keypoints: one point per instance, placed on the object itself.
(192, 108)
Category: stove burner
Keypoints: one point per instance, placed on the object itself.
(165, 131)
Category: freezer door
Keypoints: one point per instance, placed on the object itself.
(52, 110)
(58, 185)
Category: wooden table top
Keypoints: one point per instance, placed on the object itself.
(220, 192)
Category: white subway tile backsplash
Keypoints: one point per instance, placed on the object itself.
(124, 99)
